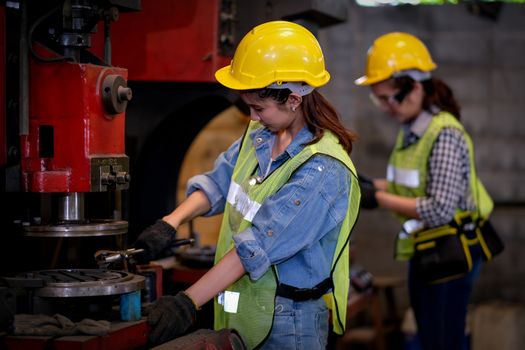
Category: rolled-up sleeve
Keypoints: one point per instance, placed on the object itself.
(253, 257)
(312, 203)
(215, 183)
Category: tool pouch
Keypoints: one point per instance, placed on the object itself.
(479, 231)
(441, 254)
(489, 240)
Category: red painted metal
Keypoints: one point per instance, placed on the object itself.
(183, 274)
(67, 98)
(123, 336)
(169, 41)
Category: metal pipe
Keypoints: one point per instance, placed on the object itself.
(24, 71)
(117, 210)
(71, 207)
(107, 41)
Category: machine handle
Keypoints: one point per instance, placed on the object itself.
(179, 242)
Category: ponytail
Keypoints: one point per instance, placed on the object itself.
(320, 115)
(439, 94)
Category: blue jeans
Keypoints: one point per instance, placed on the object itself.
(441, 309)
(298, 325)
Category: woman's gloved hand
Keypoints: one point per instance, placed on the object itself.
(368, 193)
(154, 240)
(170, 317)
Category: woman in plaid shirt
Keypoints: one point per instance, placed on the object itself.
(430, 174)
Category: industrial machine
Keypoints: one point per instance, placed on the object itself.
(67, 144)
(99, 102)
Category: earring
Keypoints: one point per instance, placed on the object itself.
(293, 109)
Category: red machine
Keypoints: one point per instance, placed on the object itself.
(66, 147)
(76, 129)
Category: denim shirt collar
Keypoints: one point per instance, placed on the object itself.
(265, 138)
(262, 141)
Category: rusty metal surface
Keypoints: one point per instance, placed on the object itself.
(84, 282)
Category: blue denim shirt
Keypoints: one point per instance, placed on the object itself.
(297, 227)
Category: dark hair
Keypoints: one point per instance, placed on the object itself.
(319, 114)
(437, 93)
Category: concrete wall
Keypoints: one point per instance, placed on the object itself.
(482, 60)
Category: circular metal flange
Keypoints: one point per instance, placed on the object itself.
(115, 94)
(92, 228)
(84, 282)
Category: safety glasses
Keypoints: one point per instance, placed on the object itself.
(392, 100)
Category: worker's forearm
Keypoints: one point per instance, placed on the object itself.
(195, 205)
(217, 279)
(401, 205)
(380, 184)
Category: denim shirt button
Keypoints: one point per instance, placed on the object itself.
(297, 202)
(279, 308)
(270, 233)
(259, 140)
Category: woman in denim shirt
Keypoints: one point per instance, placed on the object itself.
(290, 198)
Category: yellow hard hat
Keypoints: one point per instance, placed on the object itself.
(274, 52)
(393, 53)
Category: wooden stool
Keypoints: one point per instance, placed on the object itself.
(370, 302)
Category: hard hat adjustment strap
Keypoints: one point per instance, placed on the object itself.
(299, 88)
(415, 74)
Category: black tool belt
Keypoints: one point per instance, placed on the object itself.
(443, 253)
(303, 294)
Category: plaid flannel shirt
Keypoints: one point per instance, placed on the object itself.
(448, 173)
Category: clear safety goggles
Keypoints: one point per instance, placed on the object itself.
(392, 100)
(399, 97)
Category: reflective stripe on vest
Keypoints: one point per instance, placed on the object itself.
(242, 202)
(405, 177)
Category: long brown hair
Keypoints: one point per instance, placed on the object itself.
(437, 93)
(319, 114)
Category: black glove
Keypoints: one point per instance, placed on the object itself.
(368, 193)
(170, 317)
(154, 240)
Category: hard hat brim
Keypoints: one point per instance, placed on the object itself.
(224, 76)
(365, 81)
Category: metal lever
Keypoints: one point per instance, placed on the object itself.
(106, 257)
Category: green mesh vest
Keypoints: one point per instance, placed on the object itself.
(256, 299)
(407, 168)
